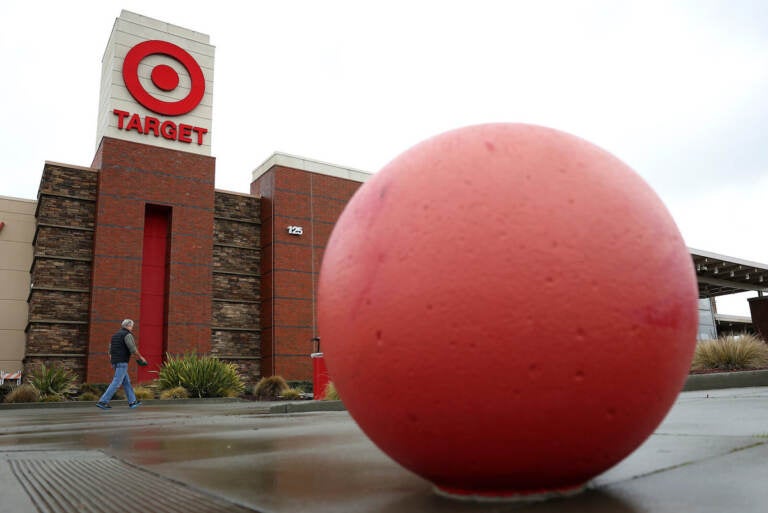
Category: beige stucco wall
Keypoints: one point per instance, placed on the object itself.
(15, 261)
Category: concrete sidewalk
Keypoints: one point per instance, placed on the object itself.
(707, 456)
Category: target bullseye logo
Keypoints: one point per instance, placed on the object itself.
(164, 77)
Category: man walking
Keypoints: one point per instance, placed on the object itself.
(121, 347)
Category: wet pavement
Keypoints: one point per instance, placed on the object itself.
(709, 455)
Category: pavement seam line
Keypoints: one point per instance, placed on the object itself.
(685, 464)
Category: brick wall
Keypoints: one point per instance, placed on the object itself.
(57, 332)
(291, 263)
(236, 307)
(131, 176)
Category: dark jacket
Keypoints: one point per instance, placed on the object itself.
(118, 350)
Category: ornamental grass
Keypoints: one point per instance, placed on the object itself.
(174, 393)
(53, 381)
(143, 393)
(88, 396)
(290, 394)
(25, 393)
(52, 398)
(270, 388)
(202, 376)
(331, 394)
(732, 352)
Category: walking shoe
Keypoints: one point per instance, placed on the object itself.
(103, 406)
(134, 404)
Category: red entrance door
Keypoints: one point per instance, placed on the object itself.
(154, 285)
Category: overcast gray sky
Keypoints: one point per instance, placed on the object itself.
(676, 89)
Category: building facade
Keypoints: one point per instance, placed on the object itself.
(301, 200)
(17, 230)
(142, 233)
(227, 274)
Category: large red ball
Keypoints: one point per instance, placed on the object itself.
(507, 309)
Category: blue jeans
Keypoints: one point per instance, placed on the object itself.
(121, 379)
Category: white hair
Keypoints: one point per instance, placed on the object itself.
(126, 323)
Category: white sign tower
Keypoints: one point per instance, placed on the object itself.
(157, 85)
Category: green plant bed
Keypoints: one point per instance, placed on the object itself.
(174, 393)
(730, 353)
(270, 388)
(143, 393)
(25, 393)
(291, 394)
(5, 389)
(303, 385)
(53, 382)
(96, 389)
(201, 376)
(331, 394)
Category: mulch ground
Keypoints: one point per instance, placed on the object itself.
(715, 371)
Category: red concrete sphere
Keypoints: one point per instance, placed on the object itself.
(507, 310)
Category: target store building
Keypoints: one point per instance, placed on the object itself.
(142, 233)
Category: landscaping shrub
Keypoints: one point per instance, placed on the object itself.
(291, 394)
(6, 389)
(174, 393)
(52, 398)
(90, 388)
(25, 393)
(303, 385)
(270, 388)
(143, 393)
(330, 392)
(88, 396)
(742, 352)
(52, 381)
(202, 376)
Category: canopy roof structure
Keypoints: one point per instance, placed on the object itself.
(720, 275)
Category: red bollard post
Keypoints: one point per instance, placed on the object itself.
(319, 376)
(319, 371)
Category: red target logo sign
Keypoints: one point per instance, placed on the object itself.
(163, 77)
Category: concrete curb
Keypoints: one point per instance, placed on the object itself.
(740, 379)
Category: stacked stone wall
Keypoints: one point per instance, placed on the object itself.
(60, 273)
(57, 338)
(57, 332)
(235, 312)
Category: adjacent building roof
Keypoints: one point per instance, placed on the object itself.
(314, 166)
(720, 275)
